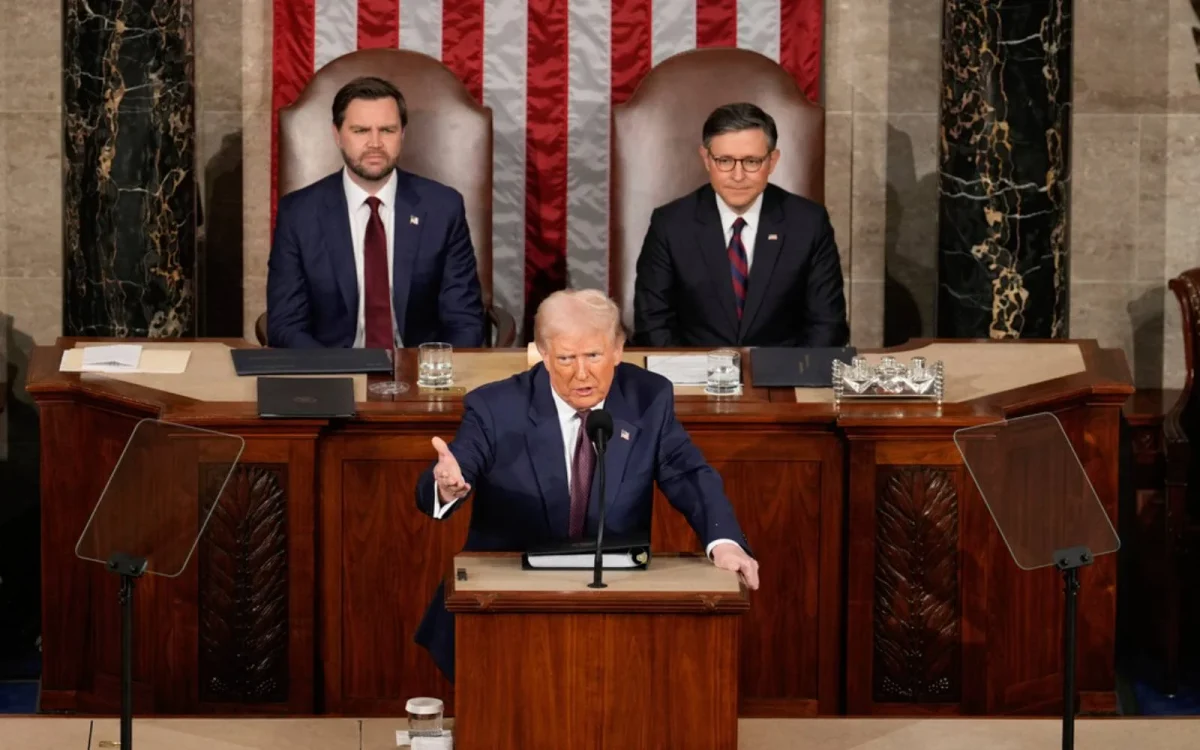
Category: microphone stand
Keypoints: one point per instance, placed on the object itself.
(597, 567)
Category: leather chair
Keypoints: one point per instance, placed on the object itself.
(656, 135)
(448, 139)
(1181, 535)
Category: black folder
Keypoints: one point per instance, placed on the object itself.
(310, 361)
(312, 398)
(800, 367)
(620, 553)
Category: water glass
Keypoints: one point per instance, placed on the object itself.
(424, 717)
(435, 365)
(724, 373)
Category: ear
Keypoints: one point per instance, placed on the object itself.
(772, 161)
(337, 135)
(703, 156)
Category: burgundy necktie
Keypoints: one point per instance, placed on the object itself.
(377, 288)
(739, 266)
(582, 466)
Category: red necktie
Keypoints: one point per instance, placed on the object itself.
(738, 265)
(582, 467)
(377, 288)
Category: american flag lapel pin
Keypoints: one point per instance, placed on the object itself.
(413, 220)
(772, 236)
(624, 434)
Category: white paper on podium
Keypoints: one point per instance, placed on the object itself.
(680, 369)
(148, 361)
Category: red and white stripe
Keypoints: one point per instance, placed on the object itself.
(551, 71)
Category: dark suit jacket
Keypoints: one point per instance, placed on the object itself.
(683, 295)
(510, 449)
(312, 286)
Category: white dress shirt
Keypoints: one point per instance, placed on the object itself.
(360, 214)
(749, 232)
(569, 423)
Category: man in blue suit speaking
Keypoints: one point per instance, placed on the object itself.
(372, 256)
(521, 450)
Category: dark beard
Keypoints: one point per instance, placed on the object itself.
(363, 172)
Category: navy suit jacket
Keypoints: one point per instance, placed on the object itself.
(683, 295)
(312, 284)
(510, 449)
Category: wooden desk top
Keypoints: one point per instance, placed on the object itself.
(985, 380)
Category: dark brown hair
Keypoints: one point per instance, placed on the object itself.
(370, 88)
(732, 118)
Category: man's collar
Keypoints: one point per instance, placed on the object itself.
(728, 215)
(356, 196)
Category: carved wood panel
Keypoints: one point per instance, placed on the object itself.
(917, 638)
(243, 569)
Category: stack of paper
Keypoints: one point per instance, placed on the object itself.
(680, 369)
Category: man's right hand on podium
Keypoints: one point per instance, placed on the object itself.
(447, 474)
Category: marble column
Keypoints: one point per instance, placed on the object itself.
(129, 159)
(1004, 171)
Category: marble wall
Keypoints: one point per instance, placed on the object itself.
(1135, 220)
(31, 207)
(129, 189)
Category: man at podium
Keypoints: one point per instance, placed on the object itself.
(522, 451)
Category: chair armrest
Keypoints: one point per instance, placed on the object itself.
(502, 327)
(260, 329)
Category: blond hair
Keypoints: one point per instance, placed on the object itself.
(575, 310)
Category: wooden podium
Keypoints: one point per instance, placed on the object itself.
(543, 661)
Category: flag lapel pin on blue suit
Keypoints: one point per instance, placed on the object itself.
(624, 434)
(413, 220)
(772, 236)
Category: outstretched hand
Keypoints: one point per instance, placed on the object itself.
(447, 473)
(732, 557)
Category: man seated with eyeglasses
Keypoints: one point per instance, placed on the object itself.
(739, 262)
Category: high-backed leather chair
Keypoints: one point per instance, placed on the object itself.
(1181, 535)
(448, 139)
(656, 135)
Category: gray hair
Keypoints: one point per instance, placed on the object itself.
(732, 118)
(574, 310)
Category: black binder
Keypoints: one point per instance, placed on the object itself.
(620, 553)
(310, 361)
(312, 398)
(807, 367)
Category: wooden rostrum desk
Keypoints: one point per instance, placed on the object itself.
(886, 588)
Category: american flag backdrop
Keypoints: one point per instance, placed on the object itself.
(550, 70)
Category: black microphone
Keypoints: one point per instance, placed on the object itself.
(599, 429)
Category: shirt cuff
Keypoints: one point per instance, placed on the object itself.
(712, 545)
(439, 510)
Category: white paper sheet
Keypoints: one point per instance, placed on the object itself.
(112, 358)
(680, 369)
(149, 361)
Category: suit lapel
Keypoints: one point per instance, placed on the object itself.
(616, 454)
(408, 222)
(768, 243)
(545, 444)
(710, 238)
(339, 243)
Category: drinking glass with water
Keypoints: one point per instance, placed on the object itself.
(724, 373)
(435, 365)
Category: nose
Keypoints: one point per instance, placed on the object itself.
(375, 138)
(581, 370)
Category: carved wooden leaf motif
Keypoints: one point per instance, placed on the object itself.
(243, 590)
(917, 646)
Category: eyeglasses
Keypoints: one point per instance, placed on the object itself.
(749, 163)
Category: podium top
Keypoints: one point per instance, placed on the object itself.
(671, 583)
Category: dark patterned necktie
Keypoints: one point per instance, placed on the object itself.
(582, 466)
(377, 288)
(739, 266)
